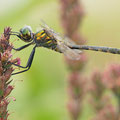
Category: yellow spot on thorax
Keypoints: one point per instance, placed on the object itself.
(49, 41)
(38, 38)
(47, 37)
(39, 34)
(42, 35)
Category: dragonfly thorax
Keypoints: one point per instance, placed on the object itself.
(42, 39)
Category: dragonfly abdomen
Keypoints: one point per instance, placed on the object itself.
(95, 48)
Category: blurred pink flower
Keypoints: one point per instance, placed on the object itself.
(107, 113)
(76, 92)
(112, 77)
(74, 65)
(72, 13)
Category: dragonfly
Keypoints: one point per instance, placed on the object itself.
(48, 38)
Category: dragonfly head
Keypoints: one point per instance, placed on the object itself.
(24, 34)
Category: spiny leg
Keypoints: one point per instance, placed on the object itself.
(21, 71)
(29, 63)
(22, 47)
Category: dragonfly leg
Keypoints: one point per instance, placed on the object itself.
(21, 71)
(22, 47)
(29, 63)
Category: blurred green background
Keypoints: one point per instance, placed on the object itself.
(41, 92)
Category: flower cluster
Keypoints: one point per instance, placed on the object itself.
(112, 78)
(5, 72)
(71, 17)
(76, 91)
(108, 80)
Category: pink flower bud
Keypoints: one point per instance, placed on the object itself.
(8, 90)
(18, 61)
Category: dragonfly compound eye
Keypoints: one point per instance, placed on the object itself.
(26, 34)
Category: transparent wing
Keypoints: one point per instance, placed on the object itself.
(66, 40)
(63, 43)
(47, 28)
(68, 52)
(51, 32)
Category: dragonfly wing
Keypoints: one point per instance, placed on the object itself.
(50, 31)
(68, 41)
(68, 52)
(62, 43)
(46, 27)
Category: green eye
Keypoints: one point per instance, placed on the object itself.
(26, 30)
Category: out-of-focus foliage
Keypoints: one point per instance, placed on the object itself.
(41, 92)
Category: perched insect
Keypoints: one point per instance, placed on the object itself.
(48, 38)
